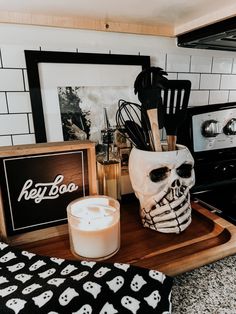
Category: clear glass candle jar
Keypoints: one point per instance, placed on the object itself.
(94, 227)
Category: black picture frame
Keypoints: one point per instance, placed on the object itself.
(33, 58)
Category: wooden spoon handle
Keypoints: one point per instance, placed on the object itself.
(152, 115)
(171, 141)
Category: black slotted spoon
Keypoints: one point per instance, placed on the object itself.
(148, 86)
(175, 98)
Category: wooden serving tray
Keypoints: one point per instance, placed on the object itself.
(207, 239)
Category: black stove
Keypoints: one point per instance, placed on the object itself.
(210, 134)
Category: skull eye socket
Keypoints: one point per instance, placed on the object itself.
(184, 171)
(159, 174)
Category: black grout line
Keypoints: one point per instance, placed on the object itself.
(220, 81)
(1, 58)
(228, 96)
(23, 79)
(28, 122)
(8, 111)
(232, 66)
(212, 63)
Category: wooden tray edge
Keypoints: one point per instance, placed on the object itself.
(207, 256)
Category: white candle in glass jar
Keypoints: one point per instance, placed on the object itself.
(94, 226)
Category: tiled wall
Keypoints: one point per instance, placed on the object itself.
(213, 74)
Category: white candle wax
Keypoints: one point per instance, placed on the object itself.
(94, 227)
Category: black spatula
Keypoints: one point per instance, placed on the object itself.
(148, 85)
(175, 97)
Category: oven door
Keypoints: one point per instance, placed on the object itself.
(220, 200)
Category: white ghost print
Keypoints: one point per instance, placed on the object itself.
(137, 283)
(85, 309)
(16, 304)
(31, 288)
(57, 260)
(93, 288)
(43, 298)
(108, 308)
(16, 267)
(80, 275)
(3, 279)
(68, 269)
(28, 254)
(8, 290)
(153, 299)
(130, 303)
(23, 277)
(116, 283)
(37, 265)
(56, 281)
(47, 273)
(157, 275)
(101, 272)
(7, 257)
(67, 296)
(122, 266)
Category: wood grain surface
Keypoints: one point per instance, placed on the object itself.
(207, 239)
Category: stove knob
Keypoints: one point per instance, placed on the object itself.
(230, 127)
(210, 128)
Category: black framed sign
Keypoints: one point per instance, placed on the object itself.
(37, 184)
(61, 83)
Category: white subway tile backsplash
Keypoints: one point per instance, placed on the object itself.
(198, 98)
(210, 81)
(3, 103)
(13, 124)
(222, 65)
(11, 80)
(31, 123)
(208, 71)
(234, 66)
(172, 76)
(178, 63)
(218, 96)
(201, 64)
(159, 61)
(5, 140)
(228, 82)
(194, 78)
(232, 95)
(23, 139)
(18, 102)
(53, 47)
(14, 57)
(26, 80)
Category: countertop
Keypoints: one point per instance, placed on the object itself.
(208, 289)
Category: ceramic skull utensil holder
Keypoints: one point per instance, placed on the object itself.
(161, 181)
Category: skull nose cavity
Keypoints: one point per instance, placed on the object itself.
(175, 183)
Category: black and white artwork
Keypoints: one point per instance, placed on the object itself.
(100, 79)
(82, 109)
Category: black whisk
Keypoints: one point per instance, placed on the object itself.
(133, 123)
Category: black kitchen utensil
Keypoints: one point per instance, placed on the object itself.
(132, 123)
(175, 98)
(148, 86)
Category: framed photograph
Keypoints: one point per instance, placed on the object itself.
(37, 183)
(69, 91)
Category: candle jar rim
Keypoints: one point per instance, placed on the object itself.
(110, 202)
